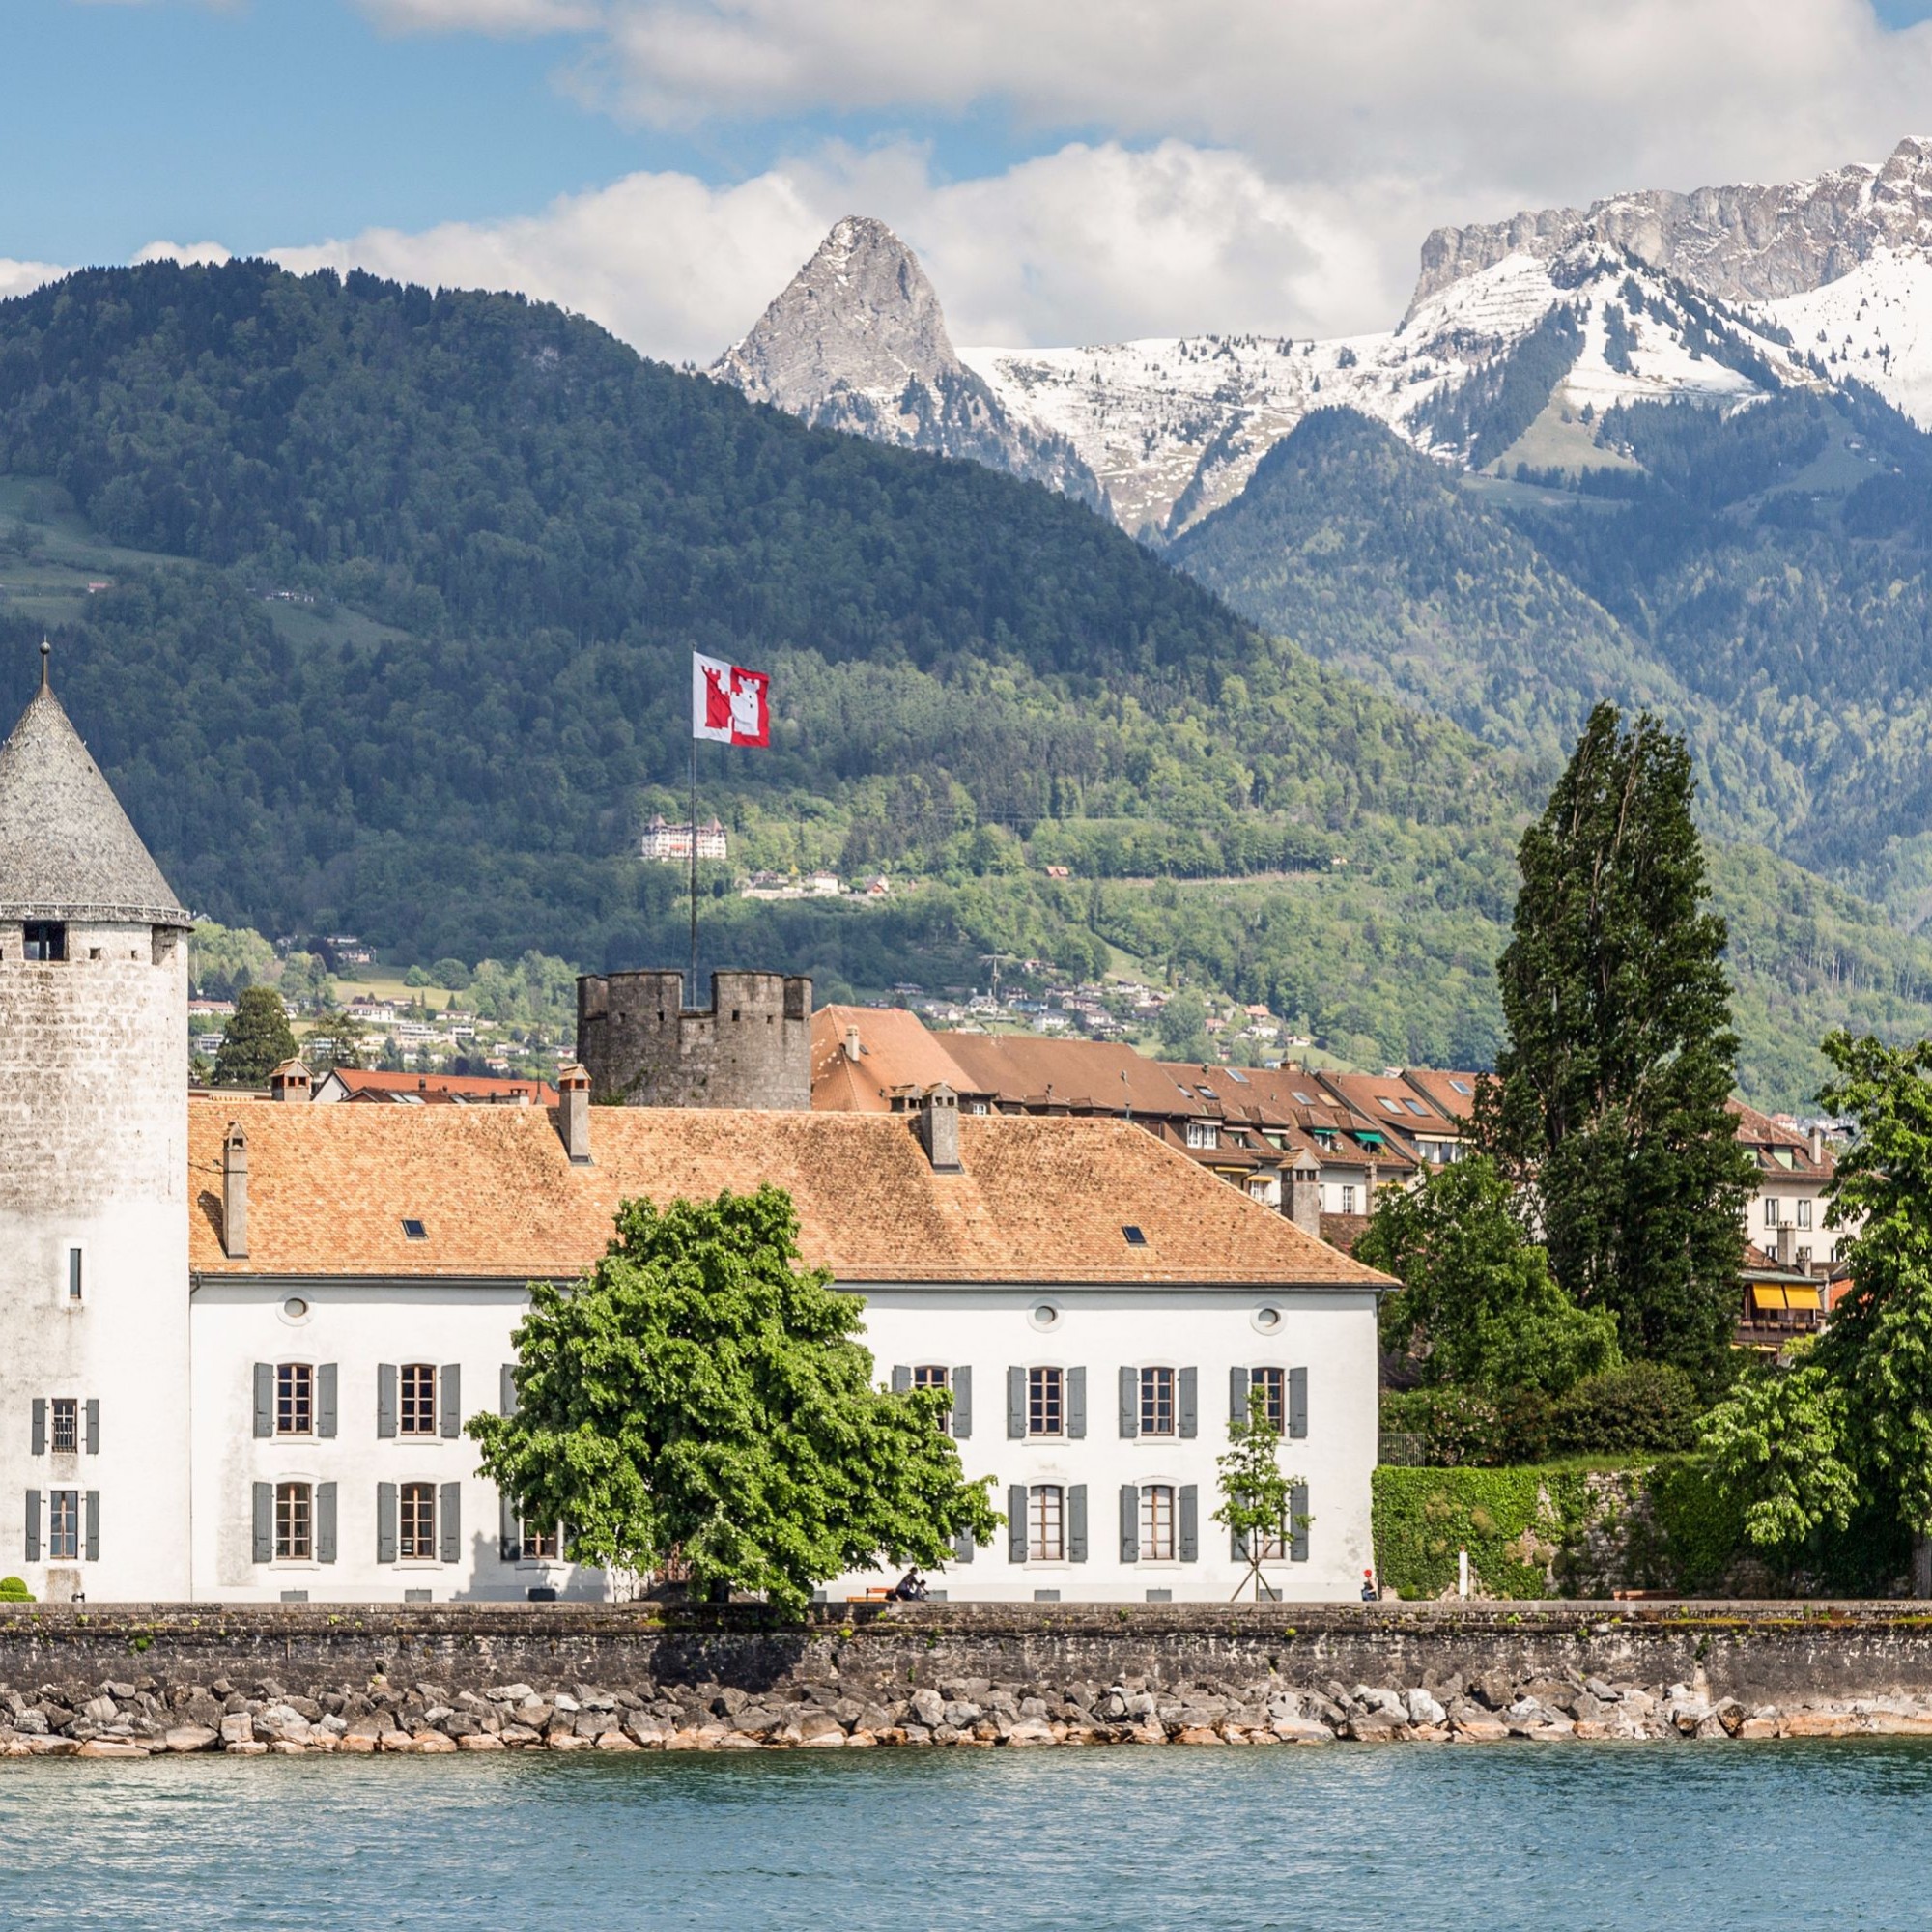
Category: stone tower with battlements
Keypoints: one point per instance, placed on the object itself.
(643, 1047)
(94, 1282)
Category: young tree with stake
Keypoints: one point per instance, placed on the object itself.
(1256, 1497)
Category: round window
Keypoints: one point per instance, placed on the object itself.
(294, 1309)
(1265, 1320)
(1044, 1316)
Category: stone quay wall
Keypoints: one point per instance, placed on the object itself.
(133, 1679)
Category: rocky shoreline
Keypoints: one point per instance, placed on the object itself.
(144, 1717)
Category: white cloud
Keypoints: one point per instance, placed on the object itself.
(21, 279)
(482, 16)
(201, 254)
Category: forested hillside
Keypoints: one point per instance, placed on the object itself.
(399, 593)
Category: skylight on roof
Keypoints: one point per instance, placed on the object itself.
(414, 1230)
(1306, 1100)
(1415, 1107)
(1235, 1074)
(1389, 1106)
(1460, 1086)
(1135, 1239)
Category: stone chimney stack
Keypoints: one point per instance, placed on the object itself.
(852, 1048)
(1817, 1146)
(234, 1194)
(290, 1081)
(1369, 1182)
(1304, 1199)
(1784, 1240)
(938, 1123)
(573, 1114)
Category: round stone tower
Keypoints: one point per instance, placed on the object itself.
(94, 1288)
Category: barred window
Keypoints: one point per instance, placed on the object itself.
(294, 1522)
(1273, 1382)
(1156, 1401)
(64, 1524)
(419, 1389)
(295, 1404)
(1046, 1538)
(66, 1425)
(415, 1526)
(541, 1541)
(1157, 1522)
(1045, 1408)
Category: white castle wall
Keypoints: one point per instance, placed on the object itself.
(94, 1155)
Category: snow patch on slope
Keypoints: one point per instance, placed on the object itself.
(1873, 325)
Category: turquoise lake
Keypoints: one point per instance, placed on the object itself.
(1599, 1837)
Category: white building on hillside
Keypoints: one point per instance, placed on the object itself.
(240, 1337)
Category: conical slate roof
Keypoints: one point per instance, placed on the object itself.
(67, 849)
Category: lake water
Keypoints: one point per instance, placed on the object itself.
(1520, 1838)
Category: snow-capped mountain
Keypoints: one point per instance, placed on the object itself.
(856, 341)
(1520, 336)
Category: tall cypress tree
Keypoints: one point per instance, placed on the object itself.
(1609, 1098)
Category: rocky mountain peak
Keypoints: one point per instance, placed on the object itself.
(1751, 242)
(860, 317)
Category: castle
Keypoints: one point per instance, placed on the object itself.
(240, 1336)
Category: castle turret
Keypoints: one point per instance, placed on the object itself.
(643, 1047)
(93, 1313)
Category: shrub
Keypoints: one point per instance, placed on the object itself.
(1454, 1427)
(1641, 1409)
(13, 1591)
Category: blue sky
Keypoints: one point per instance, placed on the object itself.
(1068, 169)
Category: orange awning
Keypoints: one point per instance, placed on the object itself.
(1802, 1297)
(1764, 1296)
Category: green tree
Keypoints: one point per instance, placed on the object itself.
(1610, 1101)
(700, 1394)
(257, 1040)
(1478, 1304)
(1256, 1495)
(1182, 1027)
(336, 1039)
(1852, 1423)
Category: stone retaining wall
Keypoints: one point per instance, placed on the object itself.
(121, 1679)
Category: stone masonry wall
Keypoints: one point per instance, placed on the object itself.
(133, 1679)
(643, 1047)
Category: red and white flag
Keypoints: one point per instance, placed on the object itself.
(728, 703)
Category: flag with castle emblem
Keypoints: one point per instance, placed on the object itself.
(729, 703)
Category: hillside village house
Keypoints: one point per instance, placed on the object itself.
(240, 1336)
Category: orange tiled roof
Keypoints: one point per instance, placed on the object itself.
(1083, 1075)
(1760, 1132)
(379, 1085)
(895, 1049)
(1437, 1086)
(1038, 1198)
(1407, 1111)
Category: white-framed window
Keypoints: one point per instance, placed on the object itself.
(1157, 1402)
(541, 1543)
(295, 1399)
(929, 1375)
(1203, 1134)
(1046, 1402)
(64, 1525)
(418, 1398)
(65, 1438)
(294, 1522)
(1046, 1523)
(1805, 1213)
(415, 1523)
(1273, 1383)
(1769, 1212)
(1347, 1200)
(1157, 1543)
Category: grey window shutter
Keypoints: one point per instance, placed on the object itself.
(1238, 1542)
(385, 1522)
(265, 1398)
(450, 1530)
(386, 1399)
(324, 1398)
(33, 1526)
(1238, 1395)
(506, 1399)
(264, 1522)
(1076, 1523)
(1076, 1403)
(1190, 1523)
(901, 1378)
(1130, 1404)
(1297, 1402)
(1017, 1522)
(39, 1424)
(91, 1505)
(1297, 1522)
(325, 1523)
(509, 1529)
(449, 1398)
(1190, 1400)
(1130, 1522)
(92, 1439)
(962, 1403)
(1016, 1402)
(962, 1546)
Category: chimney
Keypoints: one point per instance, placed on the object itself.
(573, 1114)
(1369, 1183)
(1304, 1199)
(851, 1042)
(290, 1081)
(938, 1124)
(1817, 1146)
(1784, 1240)
(234, 1194)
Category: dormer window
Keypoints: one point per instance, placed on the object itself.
(45, 939)
(1202, 1134)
